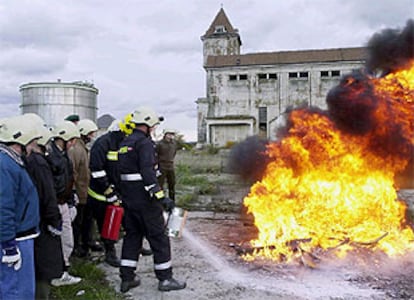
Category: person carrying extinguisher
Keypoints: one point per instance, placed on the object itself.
(104, 181)
(144, 201)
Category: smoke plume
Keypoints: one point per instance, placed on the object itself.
(248, 158)
(391, 49)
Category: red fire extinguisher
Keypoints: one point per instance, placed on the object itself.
(112, 222)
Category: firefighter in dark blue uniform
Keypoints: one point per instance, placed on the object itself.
(103, 187)
(144, 201)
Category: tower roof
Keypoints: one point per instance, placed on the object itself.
(221, 20)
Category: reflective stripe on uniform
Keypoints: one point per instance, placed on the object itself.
(131, 177)
(112, 155)
(129, 263)
(95, 195)
(163, 266)
(98, 174)
(149, 187)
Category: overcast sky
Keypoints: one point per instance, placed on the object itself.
(140, 52)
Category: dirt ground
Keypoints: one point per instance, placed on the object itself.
(213, 270)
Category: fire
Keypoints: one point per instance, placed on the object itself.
(325, 186)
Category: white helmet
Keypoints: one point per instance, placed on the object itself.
(18, 129)
(146, 116)
(41, 126)
(115, 125)
(168, 130)
(47, 134)
(86, 126)
(65, 130)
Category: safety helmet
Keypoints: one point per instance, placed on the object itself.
(86, 126)
(146, 116)
(42, 128)
(35, 119)
(114, 125)
(47, 134)
(18, 129)
(126, 125)
(168, 130)
(65, 130)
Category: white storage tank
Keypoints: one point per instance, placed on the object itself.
(54, 101)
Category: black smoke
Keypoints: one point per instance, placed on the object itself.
(391, 49)
(352, 103)
(248, 158)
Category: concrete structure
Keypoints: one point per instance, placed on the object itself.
(247, 94)
(54, 101)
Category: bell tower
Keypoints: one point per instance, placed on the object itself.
(220, 38)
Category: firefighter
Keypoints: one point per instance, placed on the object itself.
(144, 200)
(104, 182)
(65, 136)
(79, 156)
(19, 211)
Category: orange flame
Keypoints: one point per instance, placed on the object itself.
(325, 186)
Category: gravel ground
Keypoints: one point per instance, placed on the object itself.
(213, 270)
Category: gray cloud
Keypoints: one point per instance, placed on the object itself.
(149, 52)
(29, 61)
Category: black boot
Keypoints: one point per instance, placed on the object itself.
(127, 285)
(171, 285)
(111, 259)
(146, 252)
(95, 246)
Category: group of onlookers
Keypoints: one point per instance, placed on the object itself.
(54, 182)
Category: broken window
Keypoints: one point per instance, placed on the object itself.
(243, 77)
(232, 77)
(261, 75)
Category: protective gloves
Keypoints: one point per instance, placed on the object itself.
(111, 195)
(11, 254)
(166, 202)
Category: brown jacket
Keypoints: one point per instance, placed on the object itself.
(79, 155)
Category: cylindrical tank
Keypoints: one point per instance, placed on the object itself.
(54, 101)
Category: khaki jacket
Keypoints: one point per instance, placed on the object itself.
(79, 155)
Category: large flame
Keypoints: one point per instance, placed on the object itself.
(324, 186)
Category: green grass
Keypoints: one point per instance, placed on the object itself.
(186, 176)
(93, 284)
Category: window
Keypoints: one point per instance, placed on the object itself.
(243, 77)
(293, 75)
(233, 77)
(219, 29)
(263, 119)
(336, 73)
(324, 73)
(303, 74)
(264, 76)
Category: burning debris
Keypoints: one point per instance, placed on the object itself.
(329, 184)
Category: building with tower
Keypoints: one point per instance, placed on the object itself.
(248, 94)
